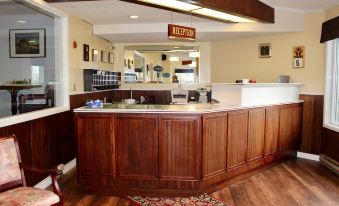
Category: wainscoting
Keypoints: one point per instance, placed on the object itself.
(44, 142)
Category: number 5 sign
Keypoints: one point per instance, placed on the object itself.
(298, 57)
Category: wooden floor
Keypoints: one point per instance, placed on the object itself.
(295, 182)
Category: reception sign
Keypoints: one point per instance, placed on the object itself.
(181, 32)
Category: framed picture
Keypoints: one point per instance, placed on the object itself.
(265, 50)
(110, 58)
(95, 55)
(104, 56)
(27, 43)
(86, 52)
(298, 57)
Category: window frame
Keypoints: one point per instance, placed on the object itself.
(61, 62)
(332, 61)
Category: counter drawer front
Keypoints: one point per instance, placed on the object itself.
(179, 138)
(137, 146)
(95, 145)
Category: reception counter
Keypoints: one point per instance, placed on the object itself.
(179, 149)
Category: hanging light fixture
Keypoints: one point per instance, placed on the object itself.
(224, 11)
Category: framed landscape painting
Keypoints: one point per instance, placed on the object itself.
(27, 43)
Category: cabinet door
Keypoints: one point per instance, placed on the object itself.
(297, 121)
(137, 146)
(256, 134)
(237, 139)
(272, 130)
(179, 138)
(285, 130)
(95, 145)
(214, 145)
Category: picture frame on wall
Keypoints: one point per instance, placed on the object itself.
(104, 56)
(27, 43)
(95, 55)
(265, 50)
(110, 58)
(86, 52)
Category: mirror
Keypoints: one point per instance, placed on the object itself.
(161, 64)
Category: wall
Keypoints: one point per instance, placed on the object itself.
(81, 32)
(238, 59)
(331, 13)
(20, 68)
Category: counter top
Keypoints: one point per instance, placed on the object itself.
(173, 108)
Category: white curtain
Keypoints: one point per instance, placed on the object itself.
(332, 85)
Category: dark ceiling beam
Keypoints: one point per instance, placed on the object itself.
(251, 9)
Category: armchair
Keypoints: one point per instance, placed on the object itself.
(13, 189)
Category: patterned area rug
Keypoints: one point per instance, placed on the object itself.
(202, 200)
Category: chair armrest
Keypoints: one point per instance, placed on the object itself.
(54, 173)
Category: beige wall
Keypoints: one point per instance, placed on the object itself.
(331, 13)
(81, 32)
(238, 59)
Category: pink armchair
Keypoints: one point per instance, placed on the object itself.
(12, 179)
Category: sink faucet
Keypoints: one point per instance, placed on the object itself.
(131, 93)
(142, 99)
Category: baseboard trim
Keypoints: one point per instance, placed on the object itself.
(45, 183)
(329, 163)
(308, 156)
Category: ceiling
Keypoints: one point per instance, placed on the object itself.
(115, 14)
(14, 8)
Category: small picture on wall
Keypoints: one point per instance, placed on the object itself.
(298, 57)
(110, 58)
(265, 50)
(27, 43)
(86, 52)
(104, 56)
(95, 55)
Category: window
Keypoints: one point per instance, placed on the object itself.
(33, 80)
(331, 119)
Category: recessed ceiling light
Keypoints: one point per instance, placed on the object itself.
(22, 21)
(176, 47)
(174, 59)
(133, 17)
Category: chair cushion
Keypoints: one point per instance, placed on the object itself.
(8, 161)
(28, 196)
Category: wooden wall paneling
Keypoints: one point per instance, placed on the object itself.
(285, 127)
(256, 134)
(237, 139)
(272, 130)
(179, 139)
(214, 148)
(137, 146)
(95, 138)
(312, 123)
(330, 143)
(297, 119)
(23, 134)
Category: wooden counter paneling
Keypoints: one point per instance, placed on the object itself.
(137, 142)
(285, 127)
(297, 121)
(179, 139)
(312, 123)
(256, 134)
(237, 139)
(96, 145)
(214, 139)
(272, 130)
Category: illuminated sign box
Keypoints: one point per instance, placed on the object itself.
(181, 32)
